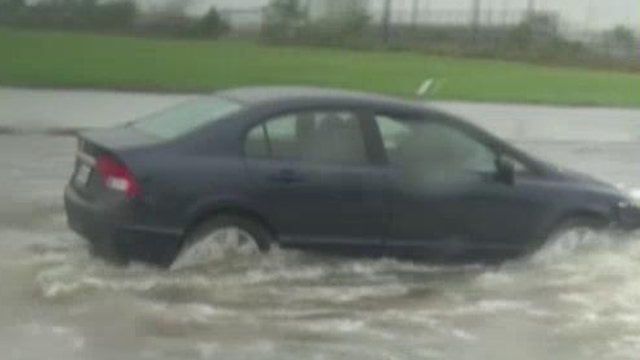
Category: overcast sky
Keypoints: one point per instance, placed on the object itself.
(596, 14)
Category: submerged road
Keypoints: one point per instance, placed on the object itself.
(572, 300)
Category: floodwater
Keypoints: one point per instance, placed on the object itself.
(575, 299)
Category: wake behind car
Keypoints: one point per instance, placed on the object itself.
(325, 170)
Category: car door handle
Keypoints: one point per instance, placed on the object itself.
(286, 176)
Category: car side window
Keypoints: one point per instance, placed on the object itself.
(434, 147)
(310, 136)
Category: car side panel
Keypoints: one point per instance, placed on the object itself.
(178, 186)
(328, 205)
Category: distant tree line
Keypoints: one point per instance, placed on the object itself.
(346, 24)
(537, 37)
(110, 15)
(290, 22)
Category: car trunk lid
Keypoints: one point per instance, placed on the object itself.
(101, 166)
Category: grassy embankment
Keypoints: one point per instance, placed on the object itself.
(35, 58)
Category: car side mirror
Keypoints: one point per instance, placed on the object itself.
(505, 170)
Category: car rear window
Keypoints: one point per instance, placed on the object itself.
(184, 118)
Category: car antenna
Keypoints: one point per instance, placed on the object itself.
(428, 87)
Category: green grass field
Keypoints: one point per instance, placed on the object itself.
(32, 58)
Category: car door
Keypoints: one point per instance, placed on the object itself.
(312, 174)
(447, 202)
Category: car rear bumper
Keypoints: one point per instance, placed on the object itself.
(116, 240)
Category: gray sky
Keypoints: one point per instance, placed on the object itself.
(595, 14)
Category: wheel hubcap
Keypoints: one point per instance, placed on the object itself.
(216, 246)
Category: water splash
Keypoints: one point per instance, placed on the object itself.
(579, 285)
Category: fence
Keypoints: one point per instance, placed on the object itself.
(412, 24)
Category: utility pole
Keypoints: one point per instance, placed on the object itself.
(531, 7)
(589, 18)
(415, 10)
(386, 22)
(475, 18)
(426, 11)
(505, 13)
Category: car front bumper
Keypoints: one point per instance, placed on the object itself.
(628, 214)
(116, 240)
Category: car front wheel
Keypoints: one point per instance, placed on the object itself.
(569, 235)
(580, 225)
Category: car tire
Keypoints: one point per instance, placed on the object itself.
(222, 236)
(582, 224)
(587, 223)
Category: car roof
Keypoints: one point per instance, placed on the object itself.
(261, 95)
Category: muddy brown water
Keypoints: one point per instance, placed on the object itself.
(575, 299)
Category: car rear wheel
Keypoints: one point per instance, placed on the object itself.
(220, 238)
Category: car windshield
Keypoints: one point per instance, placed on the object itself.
(186, 117)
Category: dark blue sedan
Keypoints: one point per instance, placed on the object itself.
(325, 170)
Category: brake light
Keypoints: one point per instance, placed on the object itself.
(116, 176)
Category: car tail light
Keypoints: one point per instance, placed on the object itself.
(116, 176)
